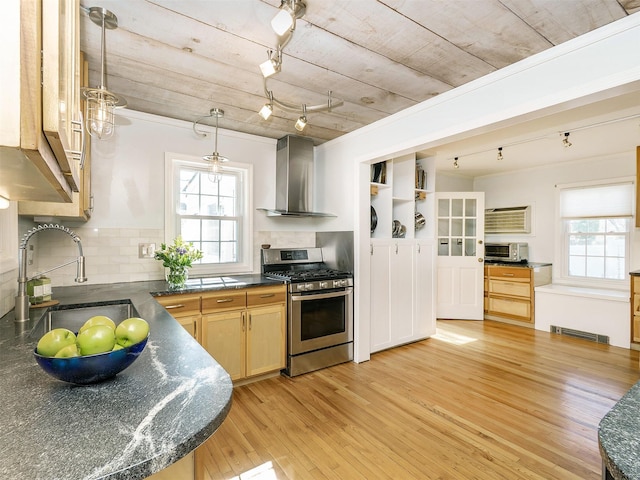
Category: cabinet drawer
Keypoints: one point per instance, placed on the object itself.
(636, 329)
(180, 305)
(266, 295)
(514, 273)
(223, 301)
(510, 307)
(503, 287)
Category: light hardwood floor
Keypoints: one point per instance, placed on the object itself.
(482, 400)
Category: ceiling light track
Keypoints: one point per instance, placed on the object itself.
(284, 24)
(563, 134)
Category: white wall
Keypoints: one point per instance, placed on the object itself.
(536, 187)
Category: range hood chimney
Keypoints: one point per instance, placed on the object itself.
(294, 179)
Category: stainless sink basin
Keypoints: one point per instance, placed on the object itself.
(74, 316)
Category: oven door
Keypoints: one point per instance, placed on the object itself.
(320, 320)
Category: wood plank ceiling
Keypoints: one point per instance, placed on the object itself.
(179, 59)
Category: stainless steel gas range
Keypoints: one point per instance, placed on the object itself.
(319, 308)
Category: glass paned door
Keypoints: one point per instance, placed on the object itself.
(459, 264)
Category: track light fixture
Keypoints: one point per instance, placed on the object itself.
(284, 24)
(301, 123)
(272, 65)
(215, 160)
(267, 109)
(565, 140)
(285, 20)
(101, 103)
(500, 156)
(455, 163)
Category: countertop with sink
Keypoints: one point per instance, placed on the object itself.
(167, 403)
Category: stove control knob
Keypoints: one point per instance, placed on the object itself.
(339, 283)
(300, 287)
(324, 285)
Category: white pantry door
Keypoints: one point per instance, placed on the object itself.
(460, 255)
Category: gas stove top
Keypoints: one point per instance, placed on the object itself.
(304, 269)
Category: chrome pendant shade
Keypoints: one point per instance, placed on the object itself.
(101, 103)
(215, 160)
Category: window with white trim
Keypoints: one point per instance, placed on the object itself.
(212, 212)
(596, 221)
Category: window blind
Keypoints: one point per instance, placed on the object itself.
(597, 201)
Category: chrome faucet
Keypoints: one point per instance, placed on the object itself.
(22, 299)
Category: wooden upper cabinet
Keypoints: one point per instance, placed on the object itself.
(28, 162)
(61, 84)
(638, 186)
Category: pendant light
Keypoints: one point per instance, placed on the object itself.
(215, 160)
(101, 103)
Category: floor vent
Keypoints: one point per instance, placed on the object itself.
(592, 337)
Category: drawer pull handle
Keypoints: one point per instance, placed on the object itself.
(224, 300)
(169, 307)
(508, 274)
(268, 295)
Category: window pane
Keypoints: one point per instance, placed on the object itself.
(616, 246)
(190, 229)
(456, 247)
(211, 252)
(470, 227)
(596, 226)
(577, 245)
(595, 245)
(443, 227)
(577, 266)
(595, 267)
(228, 252)
(443, 247)
(470, 247)
(227, 230)
(456, 207)
(443, 207)
(617, 225)
(456, 226)
(470, 207)
(227, 206)
(615, 268)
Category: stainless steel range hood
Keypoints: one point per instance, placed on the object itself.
(294, 179)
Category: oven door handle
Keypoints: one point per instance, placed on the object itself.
(299, 297)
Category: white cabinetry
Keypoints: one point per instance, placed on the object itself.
(401, 292)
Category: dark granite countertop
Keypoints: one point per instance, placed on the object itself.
(619, 437)
(167, 403)
(635, 273)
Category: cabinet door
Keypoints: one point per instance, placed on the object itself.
(402, 274)
(223, 336)
(425, 314)
(266, 339)
(190, 324)
(61, 83)
(380, 296)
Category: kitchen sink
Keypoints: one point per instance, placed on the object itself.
(74, 316)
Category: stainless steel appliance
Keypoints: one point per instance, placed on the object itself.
(506, 252)
(319, 308)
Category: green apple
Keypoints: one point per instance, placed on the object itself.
(131, 331)
(117, 346)
(51, 342)
(96, 339)
(68, 351)
(98, 320)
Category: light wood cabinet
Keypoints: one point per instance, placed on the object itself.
(509, 291)
(81, 206)
(34, 155)
(635, 311)
(244, 330)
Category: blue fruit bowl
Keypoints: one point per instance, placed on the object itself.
(90, 368)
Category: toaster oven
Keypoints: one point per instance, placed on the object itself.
(506, 252)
